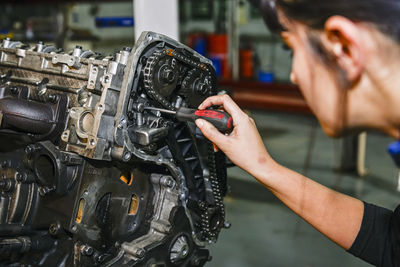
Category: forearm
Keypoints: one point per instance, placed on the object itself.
(334, 214)
(337, 216)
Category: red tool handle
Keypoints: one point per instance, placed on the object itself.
(220, 119)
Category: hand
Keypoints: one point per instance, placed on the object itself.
(244, 145)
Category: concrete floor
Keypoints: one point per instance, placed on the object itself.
(266, 233)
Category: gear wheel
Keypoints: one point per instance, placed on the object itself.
(197, 86)
(161, 77)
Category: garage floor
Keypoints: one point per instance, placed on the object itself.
(266, 233)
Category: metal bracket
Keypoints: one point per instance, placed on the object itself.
(70, 61)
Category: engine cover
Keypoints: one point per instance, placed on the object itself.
(88, 175)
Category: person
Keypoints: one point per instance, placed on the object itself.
(346, 61)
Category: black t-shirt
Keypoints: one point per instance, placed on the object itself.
(378, 241)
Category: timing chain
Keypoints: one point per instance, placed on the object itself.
(149, 73)
(210, 234)
(148, 80)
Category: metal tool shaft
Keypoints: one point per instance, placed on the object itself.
(162, 110)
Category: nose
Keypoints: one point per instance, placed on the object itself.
(293, 77)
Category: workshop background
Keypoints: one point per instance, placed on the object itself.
(253, 66)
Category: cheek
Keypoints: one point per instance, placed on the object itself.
(303, 74)
(320, 92)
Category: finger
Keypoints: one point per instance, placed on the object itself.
(214, 100)
(229, 105)
(211, 133)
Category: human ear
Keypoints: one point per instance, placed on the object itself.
(343, 39)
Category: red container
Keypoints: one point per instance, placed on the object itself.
(218, 49)
(225, 72)
(246, 64)
(217, 44)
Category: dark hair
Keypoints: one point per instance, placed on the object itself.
(384, 14)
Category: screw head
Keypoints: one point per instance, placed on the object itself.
(140, 253)
(87, 250)
(4, 164)
(227, 225)
(19, 177)
(14, 90)
(203, 88)
(53, 98)
(54, 228)
(127, 156)
(168, 75)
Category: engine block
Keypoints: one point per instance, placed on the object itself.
(89, 175)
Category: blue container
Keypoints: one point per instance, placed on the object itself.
(394, 151)
(266, 77)
(110, 22)
(217, 63)
(200, 46)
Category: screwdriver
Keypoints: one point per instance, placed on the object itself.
(220, 119)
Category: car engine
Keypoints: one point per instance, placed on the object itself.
(90, 175)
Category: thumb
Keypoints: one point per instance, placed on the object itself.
(211, 132)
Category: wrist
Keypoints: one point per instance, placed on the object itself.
(265, 169)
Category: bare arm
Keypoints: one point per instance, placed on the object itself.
(335, 215)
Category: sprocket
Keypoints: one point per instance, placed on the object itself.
(161, 77)
(198, 85)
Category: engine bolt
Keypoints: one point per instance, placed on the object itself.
(167, 182)
(45, 190)
(4, 164)
(54, 228)
(20, 177)
(127, 156)
(227, 225)
(203, 88)
(29, 150)
(101, 258)
(53, 98)
(128, 49)
(140, 253)
(138, 107)
(196, 261)
(14, 90)
(131, 115)
(170, 183)
(7, 185)
(87, 251)
(83, 97)
(168, 75)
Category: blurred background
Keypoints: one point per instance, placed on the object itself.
(253, 66)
